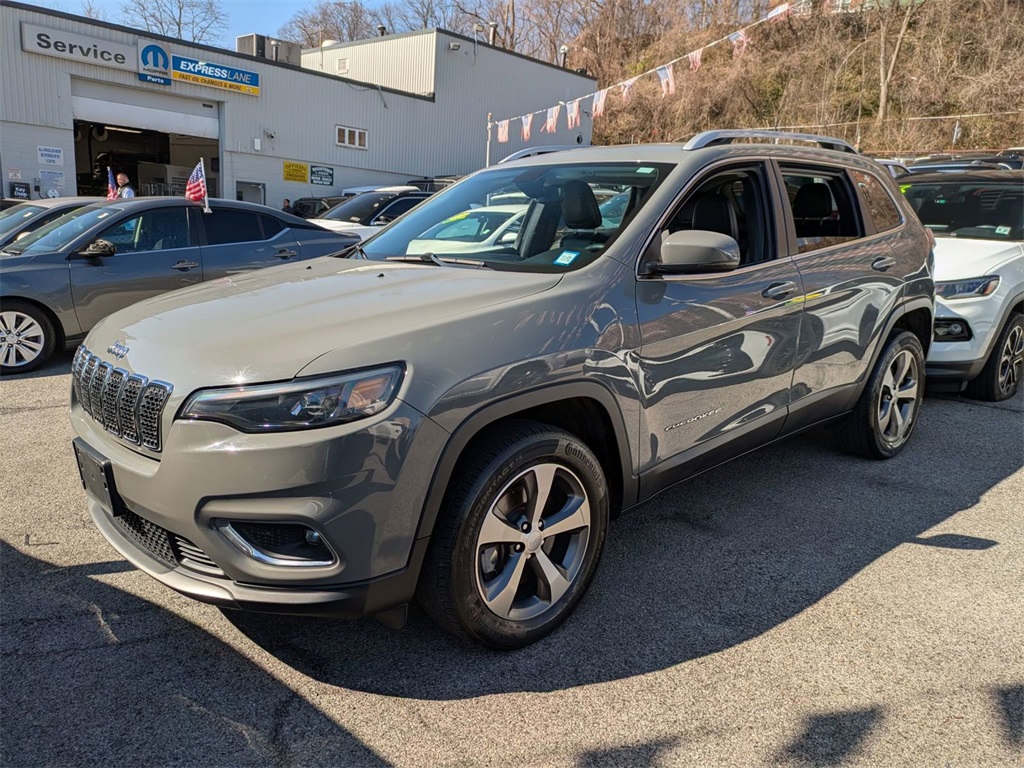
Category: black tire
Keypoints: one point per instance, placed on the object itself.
(873, 430)
(1000, 377)
(453, 584)
(23, 328)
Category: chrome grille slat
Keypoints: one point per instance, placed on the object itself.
(111, 394)
(129, 406)
(191, 556)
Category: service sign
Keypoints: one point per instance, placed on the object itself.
(68, 45)
(215, 75)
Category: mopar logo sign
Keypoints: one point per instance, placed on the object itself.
(154, 64)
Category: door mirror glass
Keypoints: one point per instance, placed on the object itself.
(696, 251)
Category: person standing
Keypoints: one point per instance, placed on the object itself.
(287, 207)
(124, 189)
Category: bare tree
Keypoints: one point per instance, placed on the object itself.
(201, 21)
(409, 15)
(92, 10)
(343, 21)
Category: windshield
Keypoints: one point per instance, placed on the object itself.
(553, 221)
(974, 209)
(358, 208)
(16, 216)
(59, 233)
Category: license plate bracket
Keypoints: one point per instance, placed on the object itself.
(98, 477)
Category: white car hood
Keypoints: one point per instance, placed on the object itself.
(362, 231)
(959, 258)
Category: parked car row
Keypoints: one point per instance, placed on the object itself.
(454, 409)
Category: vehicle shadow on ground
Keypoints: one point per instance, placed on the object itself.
(97, 676)
(58, 365)
(700, 569)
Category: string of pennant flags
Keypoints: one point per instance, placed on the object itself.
(666, 78)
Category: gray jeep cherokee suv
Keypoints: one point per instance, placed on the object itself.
(341, 436)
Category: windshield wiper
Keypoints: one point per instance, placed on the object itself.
(345, 253)
(433, 258)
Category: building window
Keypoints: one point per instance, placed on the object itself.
(343, 66)
(351, 137)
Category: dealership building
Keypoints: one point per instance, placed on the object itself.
(78, 95)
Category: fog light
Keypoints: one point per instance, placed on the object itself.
(312, 537)
(283, 544)
(952, 330)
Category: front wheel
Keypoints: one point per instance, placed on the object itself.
(519, 539)
(27, 337)
(886, 413)
(1000, 377)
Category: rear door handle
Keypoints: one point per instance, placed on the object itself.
(779, 290)
(882, 263)
(284, 253)
(184, 266)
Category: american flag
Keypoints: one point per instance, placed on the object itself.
(694, 58)
(111, 185)
(195, 189)
(503, 131)
(627, 90)
(778, 13)
(667, 79)
(597, 109)
(527, 121)
(551, 124)
(572, 114)
(739, 42)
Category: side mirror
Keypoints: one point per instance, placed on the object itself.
(382, 220)
(99, 248)
(24, 233)
(508, 238)
(696, 251)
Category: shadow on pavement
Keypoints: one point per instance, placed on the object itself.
(97, 676)
(642, 755)
(832, 738)
(712, 564)
(58, 365)
(1011, 707)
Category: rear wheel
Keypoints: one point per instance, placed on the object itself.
(520, 537)
(886, 414)
(27, 337)
(1000, 377)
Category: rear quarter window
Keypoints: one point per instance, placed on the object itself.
(881, 208)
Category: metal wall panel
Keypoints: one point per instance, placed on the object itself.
(403, 62)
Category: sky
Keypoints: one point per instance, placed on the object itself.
(264, 17)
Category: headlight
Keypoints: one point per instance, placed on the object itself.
(300, 404)
(967, 289)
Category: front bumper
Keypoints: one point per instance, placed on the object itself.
(963, 360)
(360, 486)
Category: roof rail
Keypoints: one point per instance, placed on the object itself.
(715, 138)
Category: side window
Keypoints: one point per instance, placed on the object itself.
(821, 202)
(157, 230)
(271, 227)
(397, 208)
(882, 209)
(225, 226)
(733, 203)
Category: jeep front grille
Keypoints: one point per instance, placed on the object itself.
(129, 406)
(169, 547)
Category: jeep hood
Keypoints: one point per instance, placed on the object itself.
(959, 258)
(270, 324)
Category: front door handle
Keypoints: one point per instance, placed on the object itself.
(779, 290)
(184, 266)
(284, 253)
(882, 263)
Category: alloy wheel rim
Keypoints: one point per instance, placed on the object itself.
(897, 398)
(1011, 360)
(533, 541)
(21, 339)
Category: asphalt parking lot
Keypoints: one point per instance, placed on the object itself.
(795, 607)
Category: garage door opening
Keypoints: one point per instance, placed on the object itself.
(156, 163)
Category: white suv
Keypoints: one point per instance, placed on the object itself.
(978, 220)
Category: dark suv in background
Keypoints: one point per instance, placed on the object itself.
(340, 437)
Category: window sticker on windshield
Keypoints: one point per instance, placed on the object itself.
(645, 169)
(456, 217)
(566, 258)
(904, 188)
(1002, 230)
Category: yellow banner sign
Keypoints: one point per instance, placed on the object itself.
(296, 172)
(198, 80)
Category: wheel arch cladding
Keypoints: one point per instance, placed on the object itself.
(585, 409)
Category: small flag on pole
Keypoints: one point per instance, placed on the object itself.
(694, 58)
(778, 13)
(667, 79)
(111, 185)
(503, 131)
(195, 189)
(572, 114)
(527, 121)
(627, 90)
(551, 124)
(739, 42)
(597, 109)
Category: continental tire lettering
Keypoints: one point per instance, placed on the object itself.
(572, 451)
